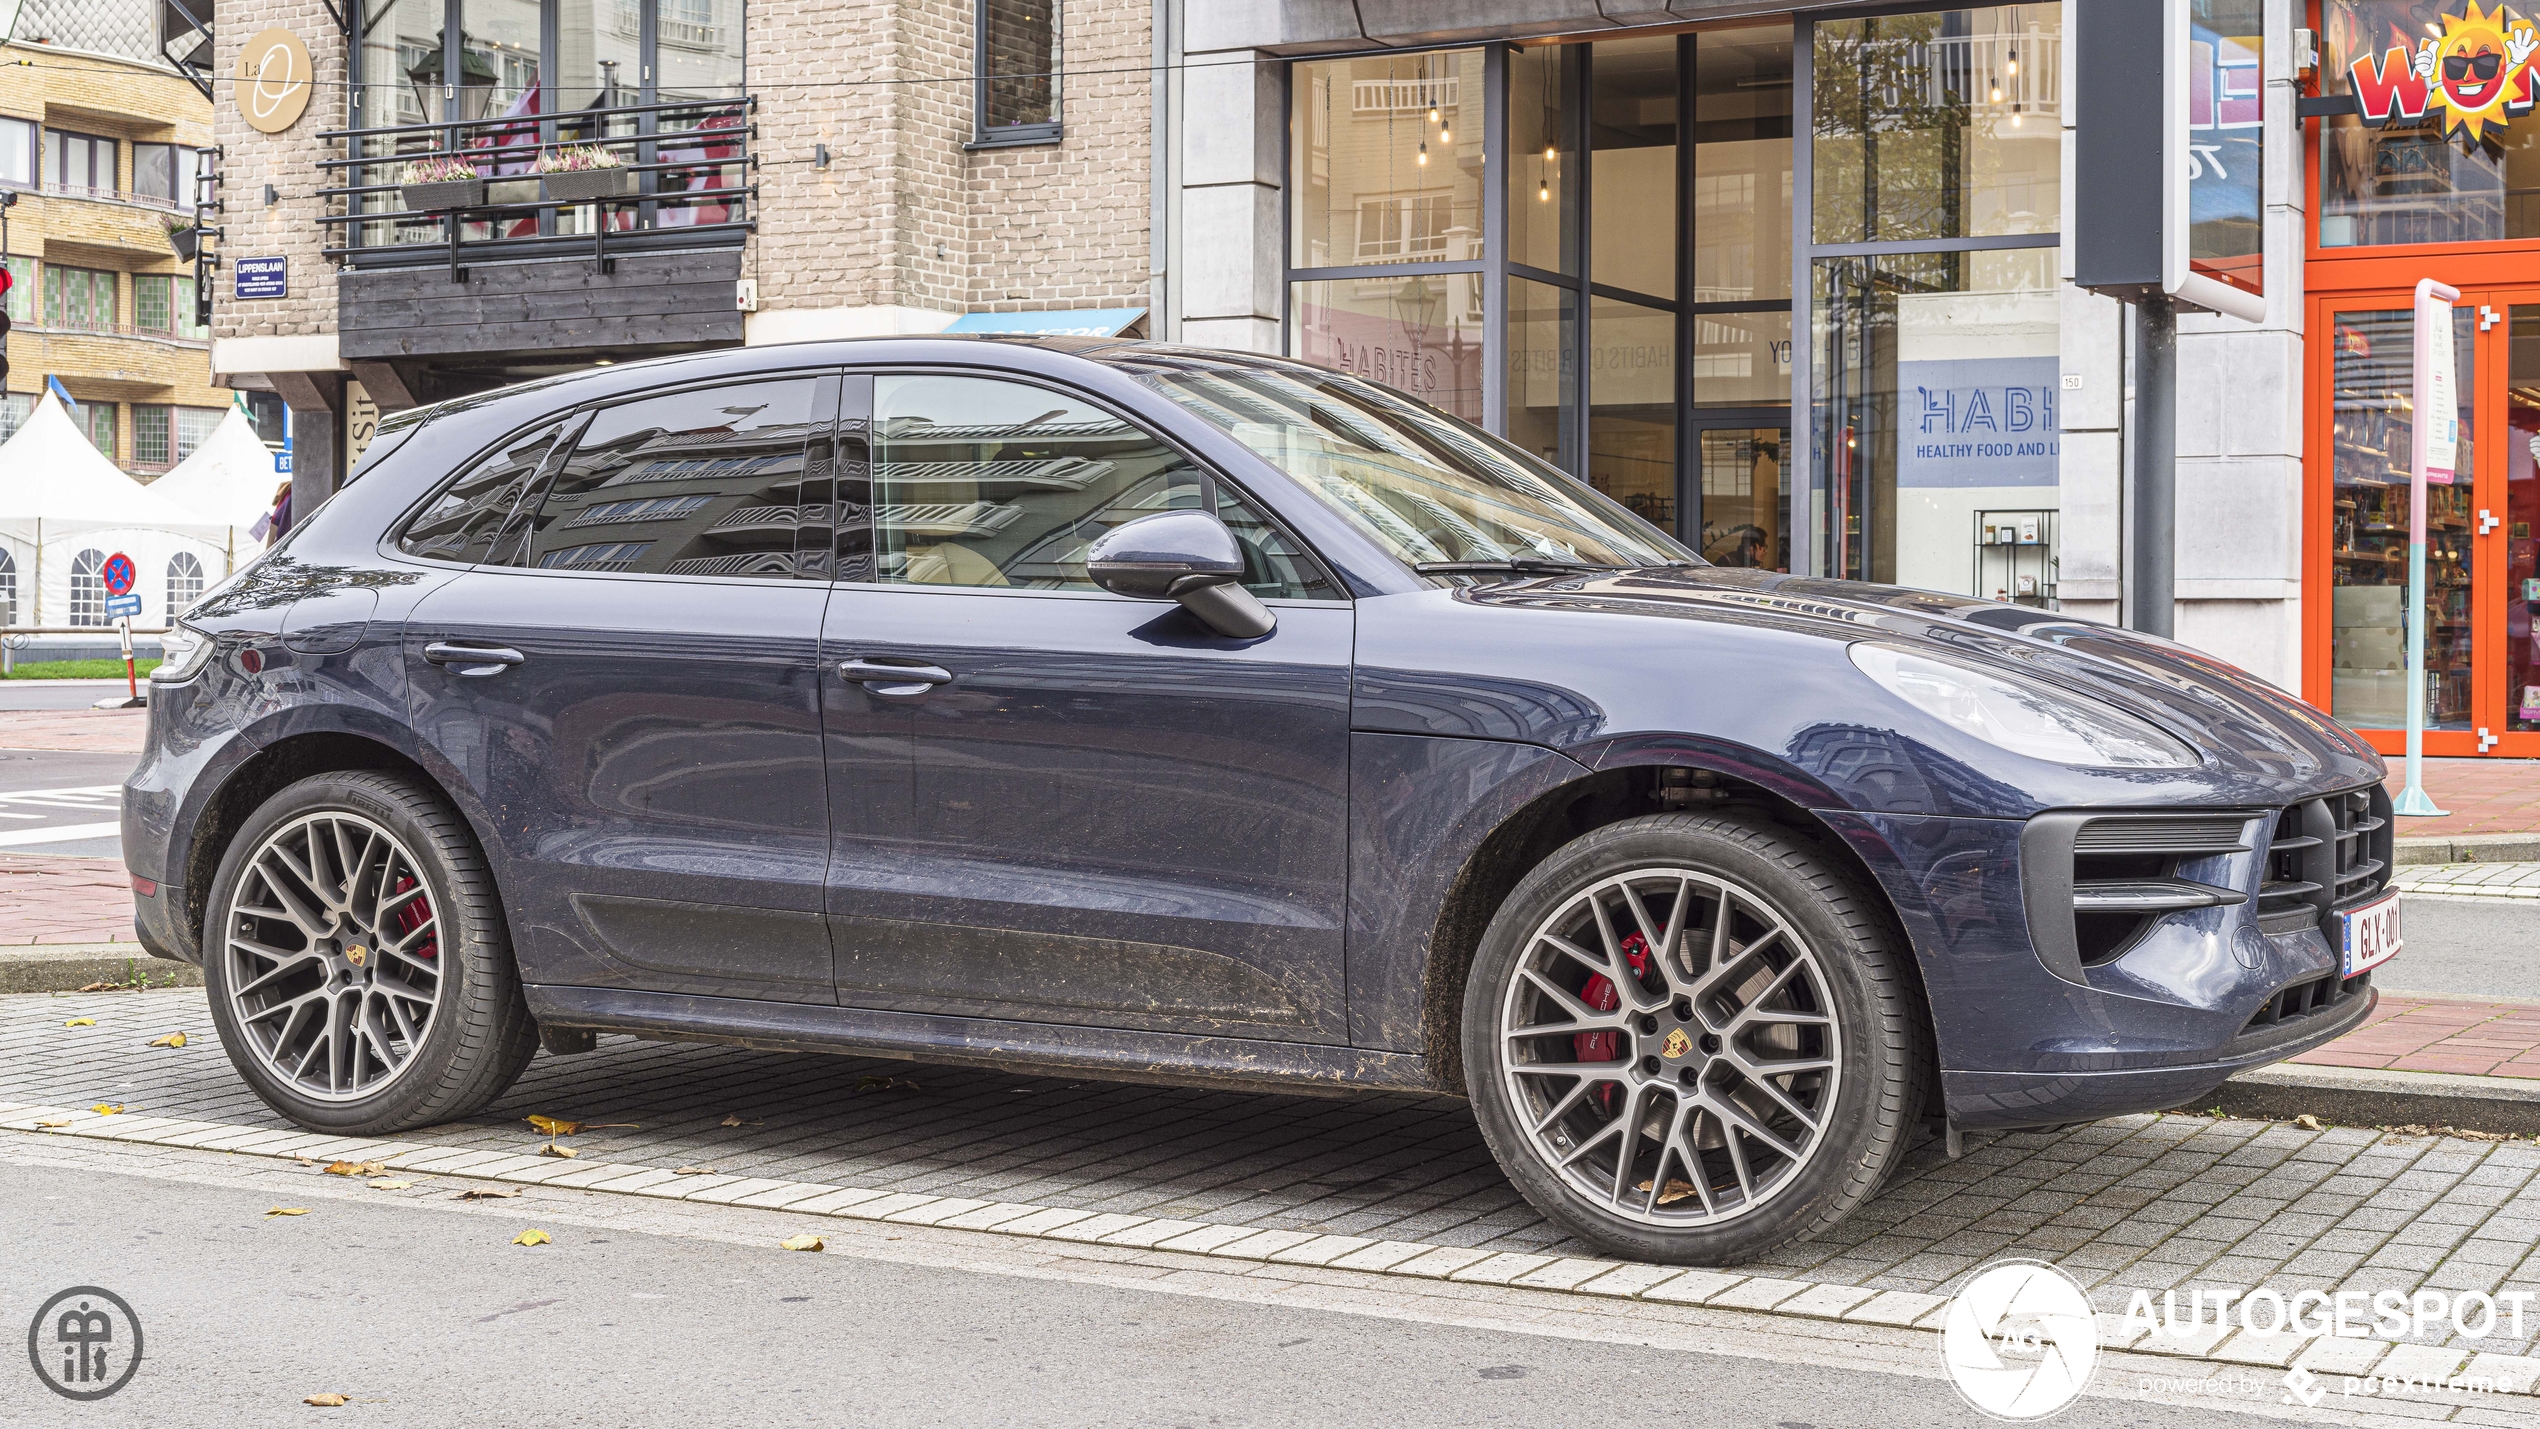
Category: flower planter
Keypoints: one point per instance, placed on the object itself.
(443, 195)
(588, 185)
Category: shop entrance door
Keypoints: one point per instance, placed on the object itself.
(2482, 563)
(1738, 513)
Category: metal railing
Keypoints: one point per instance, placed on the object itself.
(80, 327)
(690, 161)
(161, 202)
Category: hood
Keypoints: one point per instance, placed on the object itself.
(2236, 719)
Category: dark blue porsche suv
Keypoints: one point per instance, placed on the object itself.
(1173, 714)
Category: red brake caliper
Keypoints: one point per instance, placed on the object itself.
(410, 916)
(1604, 996)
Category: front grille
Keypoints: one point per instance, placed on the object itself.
(2307, 999)
(2326, 854)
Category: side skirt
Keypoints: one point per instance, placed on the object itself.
(1164, 1057)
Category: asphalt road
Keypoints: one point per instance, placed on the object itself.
(432, 1317)
(59, 694)
(58, 803)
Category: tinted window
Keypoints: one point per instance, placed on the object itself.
(462, 523)
(982, 482)
(703, 483)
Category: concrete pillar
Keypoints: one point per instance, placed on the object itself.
(1231, 234)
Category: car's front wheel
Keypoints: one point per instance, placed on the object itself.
(359, 967)
(1693, 1039)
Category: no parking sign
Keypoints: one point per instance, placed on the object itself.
(119, 575)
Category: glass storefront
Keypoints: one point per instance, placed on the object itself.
(2467, 170)
(1589, 247)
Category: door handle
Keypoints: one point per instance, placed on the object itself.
(885, 678)
(2486, 521)
(473, 659)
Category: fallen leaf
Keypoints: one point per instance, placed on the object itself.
(173, 1039)
(554, 1126)
(286, 1211)
(2308, 1122)
(488, 1193)
(81, 1022)
(385, 1184)
(530, 1237)
(551, 1149)
(55, 1121)
(692, 1171)
(735, 1120)
(355, 1168)
(1676, 1191)
(106, 1108)
(327, 1401)
(805, 1241)
(885, 1084)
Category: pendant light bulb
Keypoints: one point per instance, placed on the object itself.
(1997, 94)
(1433, 114)
(1548, 154)
(1445, 136)
(1424, 151)
(1543, 191)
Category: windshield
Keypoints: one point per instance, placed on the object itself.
(1429, 488)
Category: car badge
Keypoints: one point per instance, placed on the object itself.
(355, 954)
(1676, 1045)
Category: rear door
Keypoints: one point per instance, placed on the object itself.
(632, 684)
(1055, 804)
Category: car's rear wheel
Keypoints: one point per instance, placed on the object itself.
(1693, 1039)
(359, 968)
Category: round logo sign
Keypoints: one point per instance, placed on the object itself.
(118, 574)
(273, 80)
(2020, 1340)
(85, 1342)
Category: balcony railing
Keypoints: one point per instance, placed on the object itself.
(690, 163)
(86, 327)
(111, 195)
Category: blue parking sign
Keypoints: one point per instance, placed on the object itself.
(119, 606)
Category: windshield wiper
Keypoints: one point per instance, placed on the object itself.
(1513, 565)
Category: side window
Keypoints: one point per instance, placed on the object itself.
(462, 523)
(983, 482)
(703, 483)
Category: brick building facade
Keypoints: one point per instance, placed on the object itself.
(98, 144)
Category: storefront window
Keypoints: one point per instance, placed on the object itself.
(1632, 407)
(1543, 222)
(1388, 161)
(1741, 359)
(1632, 139)
(1745, 497)
(2371, 447)
(2226, 122)
(2433, 158)
(1935, 401)
(1418, 332)
(1542, 369)
(1945, 124)
(2522, 518)
(1741, 167)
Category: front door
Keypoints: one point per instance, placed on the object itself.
(632, 685)
(2482, 671)
(1103, 814)
(1739, 511)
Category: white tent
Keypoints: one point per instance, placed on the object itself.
(65, 510)
(230, 481)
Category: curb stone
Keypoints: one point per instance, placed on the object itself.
(2363, 1096)
(68, 967)
(1769, 1296)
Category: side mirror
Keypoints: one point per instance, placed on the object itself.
(1185, 556)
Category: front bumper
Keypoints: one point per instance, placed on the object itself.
(2036, 1028)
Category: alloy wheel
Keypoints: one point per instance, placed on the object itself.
(332, 956)
(1668, 1044)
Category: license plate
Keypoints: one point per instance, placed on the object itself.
(2369, 936)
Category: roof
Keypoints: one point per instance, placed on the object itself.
(230, 478)
(49, 472)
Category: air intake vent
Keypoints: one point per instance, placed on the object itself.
(2326, 854)
(2096, 883)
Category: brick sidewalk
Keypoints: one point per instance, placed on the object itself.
(2423, 1034)
(2479, 796)
(75, 731)
(63, 900)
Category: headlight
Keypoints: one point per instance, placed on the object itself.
(183, 652)
(2020, 715)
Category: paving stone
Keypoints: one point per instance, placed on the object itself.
(1152, 1233)
(1092, 1228)
(1897, 1307)
(2348, 1355)
(1321, 1250)
(1823, 1302)
(1441, 1262)
(1383, 1255)
(2420, 1361)
(2513, 1374)
(1694, 1287)
(2250, 1347)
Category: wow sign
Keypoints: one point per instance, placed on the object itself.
(2479, 74)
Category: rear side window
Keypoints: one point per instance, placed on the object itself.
(705, 483)
(462, 523)
(979, 481)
